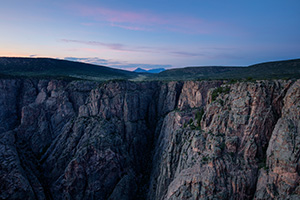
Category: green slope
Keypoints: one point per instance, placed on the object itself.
(269, 70)
(54, 68)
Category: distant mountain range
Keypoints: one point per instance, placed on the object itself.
(153, 71)
(63, 69)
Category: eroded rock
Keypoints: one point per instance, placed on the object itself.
(149, 140)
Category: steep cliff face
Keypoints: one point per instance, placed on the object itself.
(245, 146)
(79, 140)
(154, 140)
(280, 178)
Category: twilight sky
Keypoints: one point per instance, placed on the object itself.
(150, 34)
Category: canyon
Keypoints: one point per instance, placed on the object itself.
(156, 140)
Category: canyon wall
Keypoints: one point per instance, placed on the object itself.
(149, 140)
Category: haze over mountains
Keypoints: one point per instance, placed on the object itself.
(48, 67)
(154, 71)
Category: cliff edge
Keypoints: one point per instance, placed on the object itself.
(149, 140)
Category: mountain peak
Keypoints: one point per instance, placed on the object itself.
(140, 70)
(153, 71)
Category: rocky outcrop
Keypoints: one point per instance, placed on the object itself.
(244, 147)
(280, 177)
(36, 112)
(149, 140)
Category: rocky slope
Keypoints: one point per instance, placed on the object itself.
(149, 140)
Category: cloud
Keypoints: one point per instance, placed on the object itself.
(128, 48)
(186, 54)
(133, 28)
(93, 60)
(147, 21)
(116, 64)
(113, 46)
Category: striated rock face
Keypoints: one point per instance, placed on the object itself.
(149, 140)
(281, 177)
(245, 146)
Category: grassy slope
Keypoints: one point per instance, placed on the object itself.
(49, 68)
(269, 70)
(53, 68)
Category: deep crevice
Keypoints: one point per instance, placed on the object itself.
(153, 124)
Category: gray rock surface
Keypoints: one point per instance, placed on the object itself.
(242, 134)
(149, 140)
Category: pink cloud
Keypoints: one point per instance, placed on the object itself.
(132, 49)
(186, 54)
(90, 50)
(133, 28)
(145, 21)
(112, 46)
(119, 16)
(11, 54)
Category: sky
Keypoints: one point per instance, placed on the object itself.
(128, 34)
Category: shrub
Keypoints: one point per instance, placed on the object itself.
(249, 79)
(221, 102)
(193, 127)
(205, 159)
(222, 146)
(199, 115)
(218, 91)
(232, 81)
(214, 95)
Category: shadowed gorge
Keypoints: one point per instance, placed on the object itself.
(149, 140)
